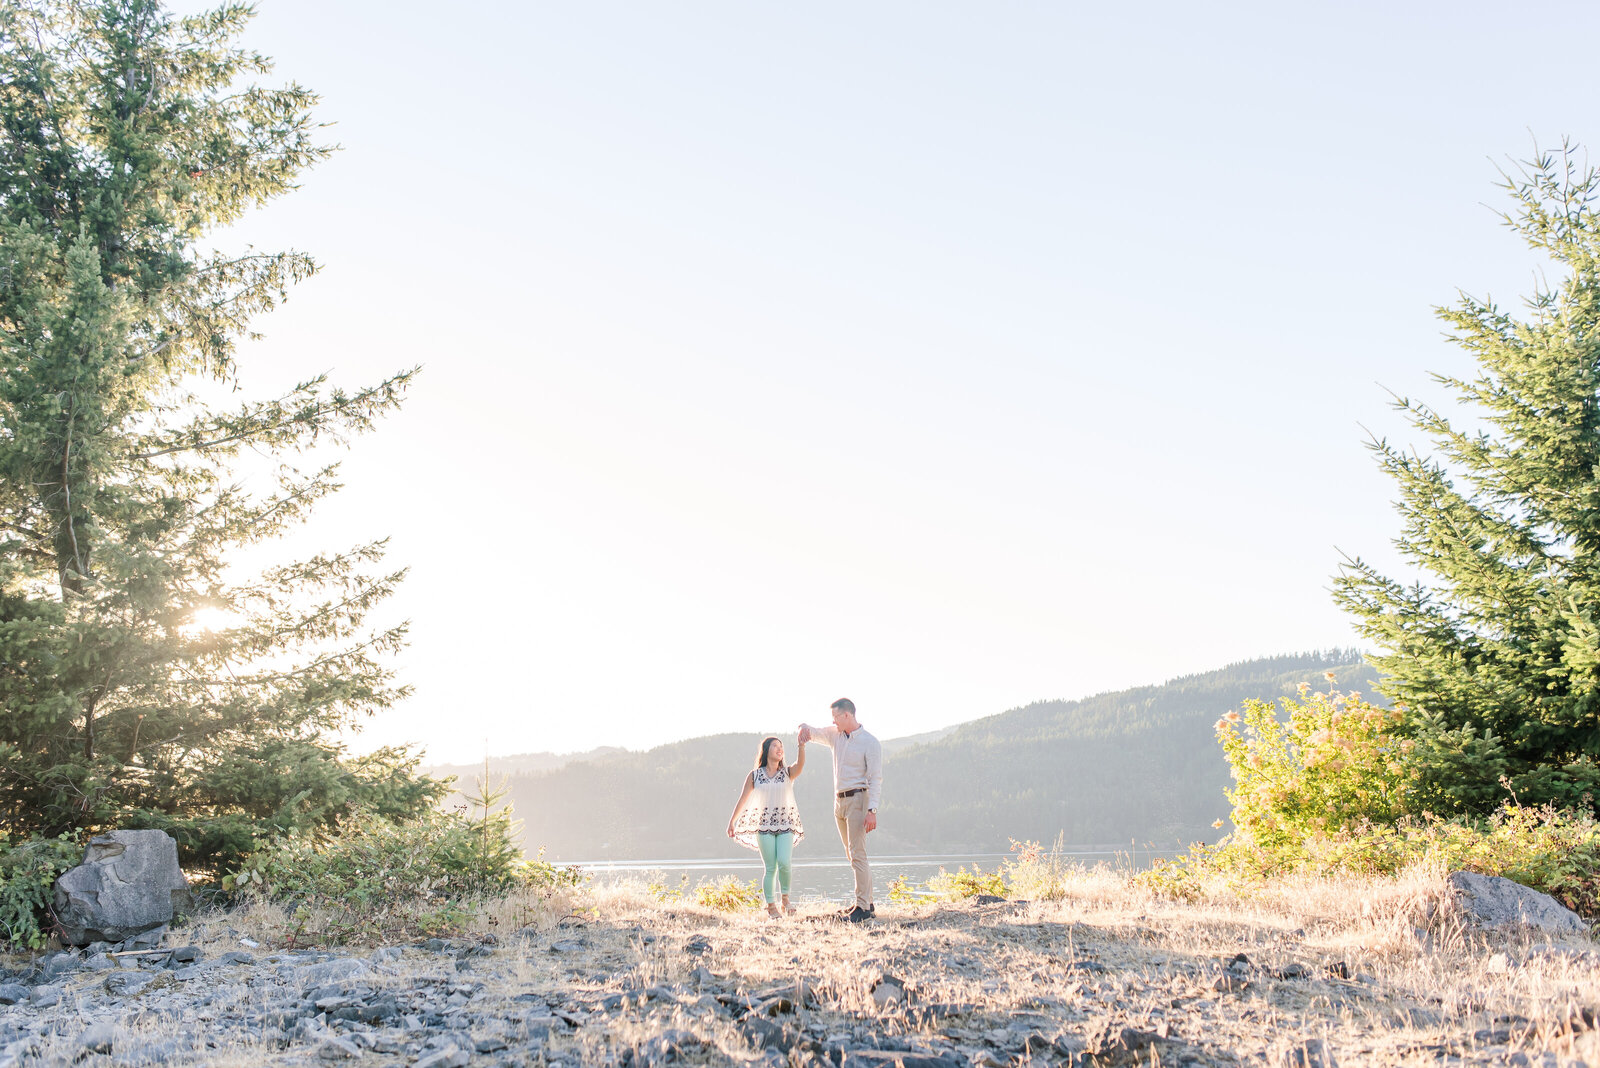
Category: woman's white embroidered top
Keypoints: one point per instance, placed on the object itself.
(770, 809)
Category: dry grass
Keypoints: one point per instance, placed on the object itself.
(1411, 985)
(1421, 984)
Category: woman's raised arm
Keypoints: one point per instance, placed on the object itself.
(799, 765)
(738, 806)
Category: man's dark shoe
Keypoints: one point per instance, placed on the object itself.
(857, 914)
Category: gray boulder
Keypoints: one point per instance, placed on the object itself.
(1491, 901)
(129, 883)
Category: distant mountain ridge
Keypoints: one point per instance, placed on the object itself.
(1136, 766)
(518, 764)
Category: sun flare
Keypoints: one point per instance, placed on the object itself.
(211, 620)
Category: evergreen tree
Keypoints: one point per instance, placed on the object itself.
(126, 136)
(1495, 653)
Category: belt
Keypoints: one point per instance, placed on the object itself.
(851, 793)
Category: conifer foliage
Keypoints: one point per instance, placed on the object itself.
(127, 136)
(1495, 653)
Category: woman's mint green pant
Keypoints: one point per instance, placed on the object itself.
(777, 850)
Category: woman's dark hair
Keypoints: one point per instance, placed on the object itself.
(766, 746)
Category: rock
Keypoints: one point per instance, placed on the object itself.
(236, 957)
(12, 993)
(566, 947)
(385, 954)
(1312, 1053)
(665, 1048)
(128, 883)
(1036, 1042)
(99, 962)
(764, 1034)
(98, 1038)
(58, 964)
(337, 1048)
(987, 899)
(697, 945)
(122, 984)
(1068, 1046)
(1113, 1042)
(1292, 971)
(145, 939)
(1549, 951)
(1499, 964)
(380, 1010)
(185, 955)
(887, 990)
(338, 970)
(45, 996)
(930, 1014)
(702, 977)
(1092, 967)
(1491, 901)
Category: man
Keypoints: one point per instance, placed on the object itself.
(857, 783)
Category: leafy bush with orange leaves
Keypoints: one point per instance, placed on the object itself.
(1334, 765)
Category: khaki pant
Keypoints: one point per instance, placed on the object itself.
(850, 813)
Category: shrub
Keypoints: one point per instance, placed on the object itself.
(1334, 764)
(28, 872)
(960, 884)
(1556, 851)
(901, 892)
(1177, 879)
(377, 878)
(1337, 789)
(662, 892)
(1036, 873)
(728, 894)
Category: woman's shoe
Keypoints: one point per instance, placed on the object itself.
(772, 911)
(788, 909)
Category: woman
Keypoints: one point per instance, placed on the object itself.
(765, 819)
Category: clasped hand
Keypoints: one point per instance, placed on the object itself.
(805, 734)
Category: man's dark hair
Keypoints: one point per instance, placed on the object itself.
(844, 704)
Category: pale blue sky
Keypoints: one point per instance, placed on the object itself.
(943, 356)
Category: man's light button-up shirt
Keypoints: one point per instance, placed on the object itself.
(857, 760)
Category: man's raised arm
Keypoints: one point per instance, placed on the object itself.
(824, 735)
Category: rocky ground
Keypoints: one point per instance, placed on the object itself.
(1307, 977)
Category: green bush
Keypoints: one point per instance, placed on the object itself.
(28, 872)
(1556, 851)
(1334, 764)
(374, 877)
(961, 884)
(1336, 789)
(728, 894)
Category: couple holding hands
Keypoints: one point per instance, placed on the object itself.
(767, 820)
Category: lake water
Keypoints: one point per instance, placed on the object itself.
(829, 878)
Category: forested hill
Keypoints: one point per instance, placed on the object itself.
(1139, 765)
